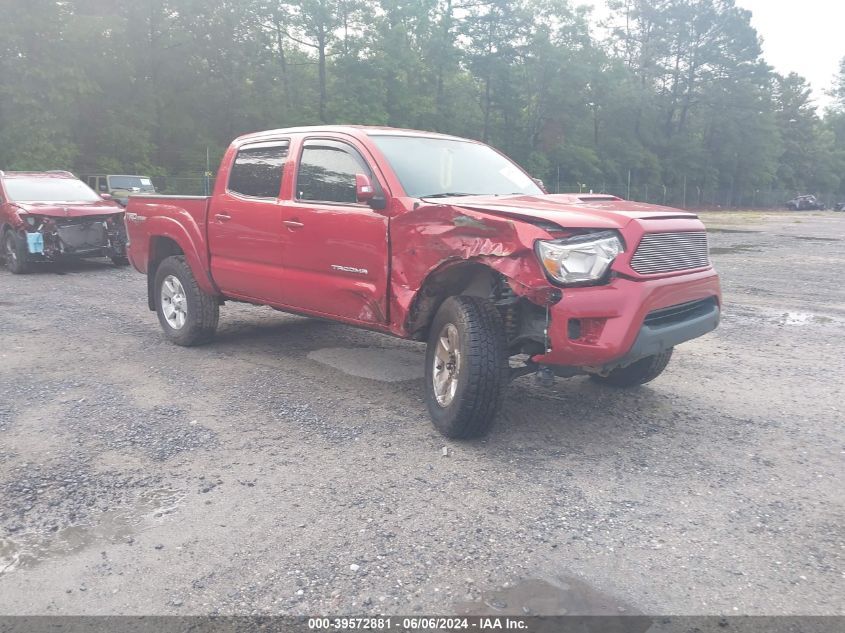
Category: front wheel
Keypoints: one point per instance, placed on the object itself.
(187, 315)
(638, 373)
(15, 252)
(466, 367)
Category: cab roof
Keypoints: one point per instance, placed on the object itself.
(352, 130)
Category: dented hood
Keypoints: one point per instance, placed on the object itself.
(70, 209)
(568, 210)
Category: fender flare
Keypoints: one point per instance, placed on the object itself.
(185, 233)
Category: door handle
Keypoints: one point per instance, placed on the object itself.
(293, 224)
(222, 217)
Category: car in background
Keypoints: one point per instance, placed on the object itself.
(805, 203)
(119, 186)
(49, 216)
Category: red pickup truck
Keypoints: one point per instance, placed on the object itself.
(431, 238)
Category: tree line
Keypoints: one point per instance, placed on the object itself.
(661, 95)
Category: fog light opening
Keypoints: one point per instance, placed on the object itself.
(574, 329)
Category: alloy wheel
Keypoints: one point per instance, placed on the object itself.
(174, 302)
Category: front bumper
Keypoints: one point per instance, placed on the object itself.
(81, 239)
(602, 327)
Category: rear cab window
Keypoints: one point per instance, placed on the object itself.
(257, 169)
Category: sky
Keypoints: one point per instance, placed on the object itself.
(802, 36)
(805, 37)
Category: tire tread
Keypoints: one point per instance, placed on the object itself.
(21, 267)
(638, 373)
(486, 364)
(202, 322)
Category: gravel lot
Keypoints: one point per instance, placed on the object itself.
(290, 466)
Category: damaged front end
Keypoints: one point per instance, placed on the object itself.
(448, 250)
(563, 277)
(54, 238)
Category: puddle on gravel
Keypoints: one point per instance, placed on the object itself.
(737, 248)
(533, 596)
(803, 318)
(774, 317)
(810, 238)
(384, 364)
(28, 548)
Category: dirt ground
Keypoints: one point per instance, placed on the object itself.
(290, 466)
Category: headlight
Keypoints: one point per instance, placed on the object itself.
(581, 259)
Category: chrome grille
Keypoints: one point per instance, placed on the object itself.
(670, 252)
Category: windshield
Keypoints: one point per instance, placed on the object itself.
(49, 190)
(131, 183)
(429, 167)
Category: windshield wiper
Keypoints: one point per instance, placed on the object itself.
(450, 194)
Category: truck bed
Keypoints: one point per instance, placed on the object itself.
(167, 216)
(146, 200)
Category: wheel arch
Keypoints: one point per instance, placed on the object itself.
(160, 248)
(160, 233)
(8, 226)
(459, 277)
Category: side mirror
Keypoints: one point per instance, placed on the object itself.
(106, 196)
(364, 190)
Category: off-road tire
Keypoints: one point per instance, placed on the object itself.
(17, 265)
(484, 370)
(638, 373)
(119, 260)
(203, 311)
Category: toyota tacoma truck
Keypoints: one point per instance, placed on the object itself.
(49, 216)
(431, 238)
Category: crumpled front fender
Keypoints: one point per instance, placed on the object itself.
(433, 238)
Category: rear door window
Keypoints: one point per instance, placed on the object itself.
(257, 170)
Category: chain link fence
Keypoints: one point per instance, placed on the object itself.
(689, 197)
(693, 197)
(184, 185)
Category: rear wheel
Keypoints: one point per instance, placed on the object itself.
(466, 367)
(638, 373)
(187, 315)
(15, 252)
